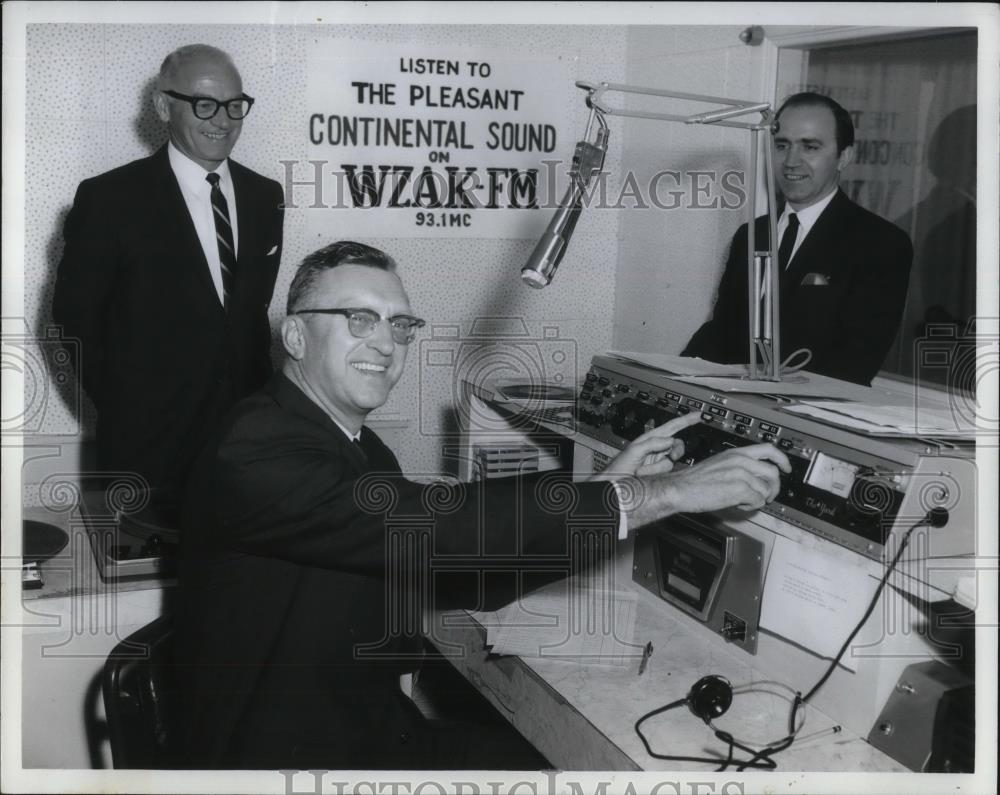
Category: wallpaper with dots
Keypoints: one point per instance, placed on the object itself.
(89, 110)
(670, 260)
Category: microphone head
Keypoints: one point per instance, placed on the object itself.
(544, 260)
(534, 278)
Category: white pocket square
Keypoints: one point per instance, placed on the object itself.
(273, 249)
(815, 280)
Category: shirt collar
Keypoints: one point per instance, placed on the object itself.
(354, 437)
(809, 215)
(191, 176)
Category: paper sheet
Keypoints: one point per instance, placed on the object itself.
(814, 599)
(570, 622)
(735, 378)
(887, 420)
(800, 384)
(681, 365)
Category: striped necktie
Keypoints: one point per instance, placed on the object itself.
(224, 236)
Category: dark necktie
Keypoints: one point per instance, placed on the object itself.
(379, 457)
(366, 452)
(788, 242)
(224, 236)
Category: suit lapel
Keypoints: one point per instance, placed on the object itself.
(245, 215)
(293, 399)
(818, 252)
(175, 217)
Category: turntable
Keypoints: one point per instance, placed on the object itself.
(134, 538)
(40, 542)
(544, 401)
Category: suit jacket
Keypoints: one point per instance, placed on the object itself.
(159, 356)
(304, 574)
(849, 323)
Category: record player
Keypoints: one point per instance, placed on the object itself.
(133, 538)
(41, 541)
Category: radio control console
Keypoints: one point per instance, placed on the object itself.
(842, 486)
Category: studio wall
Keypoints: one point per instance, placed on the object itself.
(633, 278)
(671, 257)
(89, 110)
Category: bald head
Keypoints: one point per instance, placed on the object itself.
(188, 74)
(183, 58)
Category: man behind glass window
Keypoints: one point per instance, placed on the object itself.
(844, 271)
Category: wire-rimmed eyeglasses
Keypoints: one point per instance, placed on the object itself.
(206, 107)
(363, 322)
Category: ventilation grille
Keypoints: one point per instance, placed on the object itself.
(601, 461)
(499, 461)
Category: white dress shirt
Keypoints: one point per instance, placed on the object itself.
(354, 437)
(807, 219)
(622, 517)
(198, 198)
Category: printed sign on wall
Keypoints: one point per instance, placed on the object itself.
(407, 141)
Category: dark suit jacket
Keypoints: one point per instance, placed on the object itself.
(303, 576)
(159, 356)
(848, 324)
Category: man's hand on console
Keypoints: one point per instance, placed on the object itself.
(744, 477)
(653, 453)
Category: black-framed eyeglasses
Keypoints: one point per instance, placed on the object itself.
(206, 107)
(363, 322)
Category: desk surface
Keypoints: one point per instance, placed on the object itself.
(582, 716)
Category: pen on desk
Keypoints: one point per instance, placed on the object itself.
(820, 733)
(646, 654)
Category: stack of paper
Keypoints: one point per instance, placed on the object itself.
(881, 420)
(735, 377)
(681, 365)
(567, 621)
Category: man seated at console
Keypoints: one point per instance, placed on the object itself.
(305, 552)
(843, 270)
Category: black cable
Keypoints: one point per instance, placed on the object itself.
(761, 759)
(931, 520)
(766, 765)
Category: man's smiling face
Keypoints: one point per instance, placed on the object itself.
(206, 141)
(346, 375)
(806, 162)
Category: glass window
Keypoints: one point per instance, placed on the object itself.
(913, 102)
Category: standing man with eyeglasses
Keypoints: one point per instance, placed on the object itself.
(167, 275)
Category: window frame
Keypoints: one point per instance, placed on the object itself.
(804, 38)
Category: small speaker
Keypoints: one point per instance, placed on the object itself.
(928, 721)
(710, 697)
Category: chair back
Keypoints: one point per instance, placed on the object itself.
(141, 698)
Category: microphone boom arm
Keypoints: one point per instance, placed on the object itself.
(762, 266)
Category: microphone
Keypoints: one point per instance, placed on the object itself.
(588, 159)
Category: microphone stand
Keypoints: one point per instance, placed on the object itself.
(762, 266)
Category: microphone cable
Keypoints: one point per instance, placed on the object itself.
(935, 517)
(800, 357)
(762, 759)
(764, 764)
